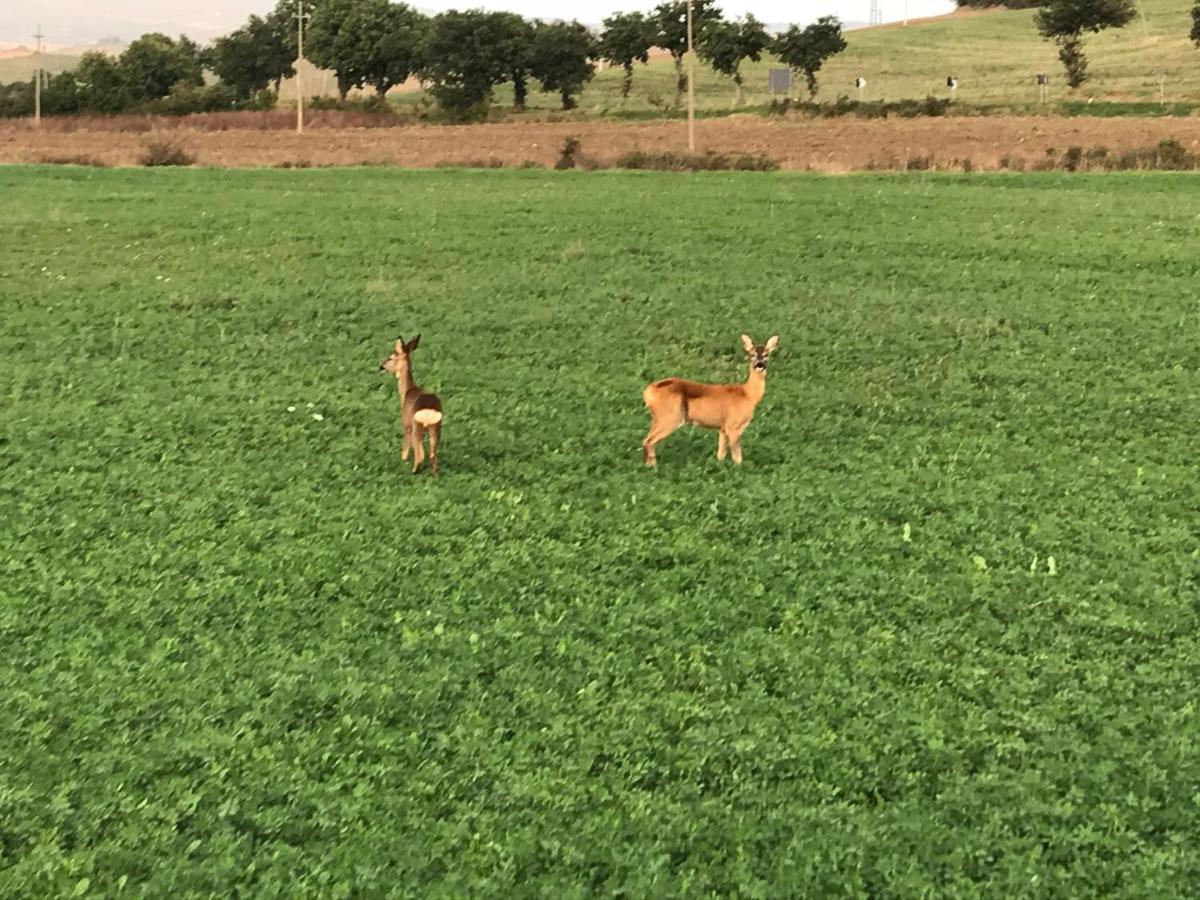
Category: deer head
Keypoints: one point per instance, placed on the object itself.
(758, 353)
(399, 359)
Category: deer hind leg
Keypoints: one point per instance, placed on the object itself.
(661, 425)
(722, 444)
(435, 434)
(418, 446)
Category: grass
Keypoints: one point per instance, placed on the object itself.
(938, 634)
(21, 68)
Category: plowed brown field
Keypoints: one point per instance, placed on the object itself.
(830, 145)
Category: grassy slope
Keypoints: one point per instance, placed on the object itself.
(994, 54)
(21, 68)
(245, 652)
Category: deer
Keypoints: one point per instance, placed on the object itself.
(726, 407)
(420, 411)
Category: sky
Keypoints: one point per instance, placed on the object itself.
(81, 21)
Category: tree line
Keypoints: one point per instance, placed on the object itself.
(460, 56)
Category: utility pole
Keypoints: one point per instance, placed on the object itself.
(691, 83)
(301, 15)
(37, 79)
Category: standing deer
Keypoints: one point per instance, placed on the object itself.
(420, 411)
(726, 407)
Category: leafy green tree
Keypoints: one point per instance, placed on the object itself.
(514, 36)
(1066, 21)
(806, 49)
(464, 60)
(1195, 33)
(562, 58)
(626, 39)
(60, 95)
(252, 57)
(153, 64)
(671, 21)
(100, 84)
(726, 44)
(366, 42)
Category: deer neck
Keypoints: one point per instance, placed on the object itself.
(404, 379)
(756, 385)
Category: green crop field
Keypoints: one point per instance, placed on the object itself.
(937, 636)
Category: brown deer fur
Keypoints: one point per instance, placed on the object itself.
(726, 407)
(420, 411)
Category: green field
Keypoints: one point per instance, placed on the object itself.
(937, 636)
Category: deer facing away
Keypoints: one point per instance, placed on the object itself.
(420, 411)
(726, 407)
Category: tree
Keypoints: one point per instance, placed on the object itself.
(366, 42)
(60, 96)
(1195, 34)
(726, 44)
(252, 57)
(627, 38)
(805, 50)
(153, 64)
(514, 37)
(671, 21)
(1007, 4)
(463, 60)
(1066, 21)
(100, 84)
(562, 55)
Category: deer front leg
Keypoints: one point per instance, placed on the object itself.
(735, 445)
(407, 442)
(722, 444)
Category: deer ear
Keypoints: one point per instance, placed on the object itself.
(747, 343)
(772, 343)
(412, 345)
(400, 343)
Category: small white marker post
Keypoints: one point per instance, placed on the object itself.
(861, 84)
(301, 15)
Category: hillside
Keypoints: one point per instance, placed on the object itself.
(995, 55)
(20, 68)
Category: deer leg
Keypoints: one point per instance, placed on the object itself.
(722, 444)
(407, 442)
(659, 430)
(735, 445)
(418, 447)
(435, 434)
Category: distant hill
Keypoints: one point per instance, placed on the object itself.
(995, 54)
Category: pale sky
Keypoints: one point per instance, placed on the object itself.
(80, 21)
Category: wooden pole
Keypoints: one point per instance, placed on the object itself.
(299, 67)
(37, 80)
(691, 83)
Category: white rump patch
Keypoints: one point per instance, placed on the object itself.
(427, 417)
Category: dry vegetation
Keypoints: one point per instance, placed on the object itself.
(829, 145)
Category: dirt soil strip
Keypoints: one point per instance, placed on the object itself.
(829, 145)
